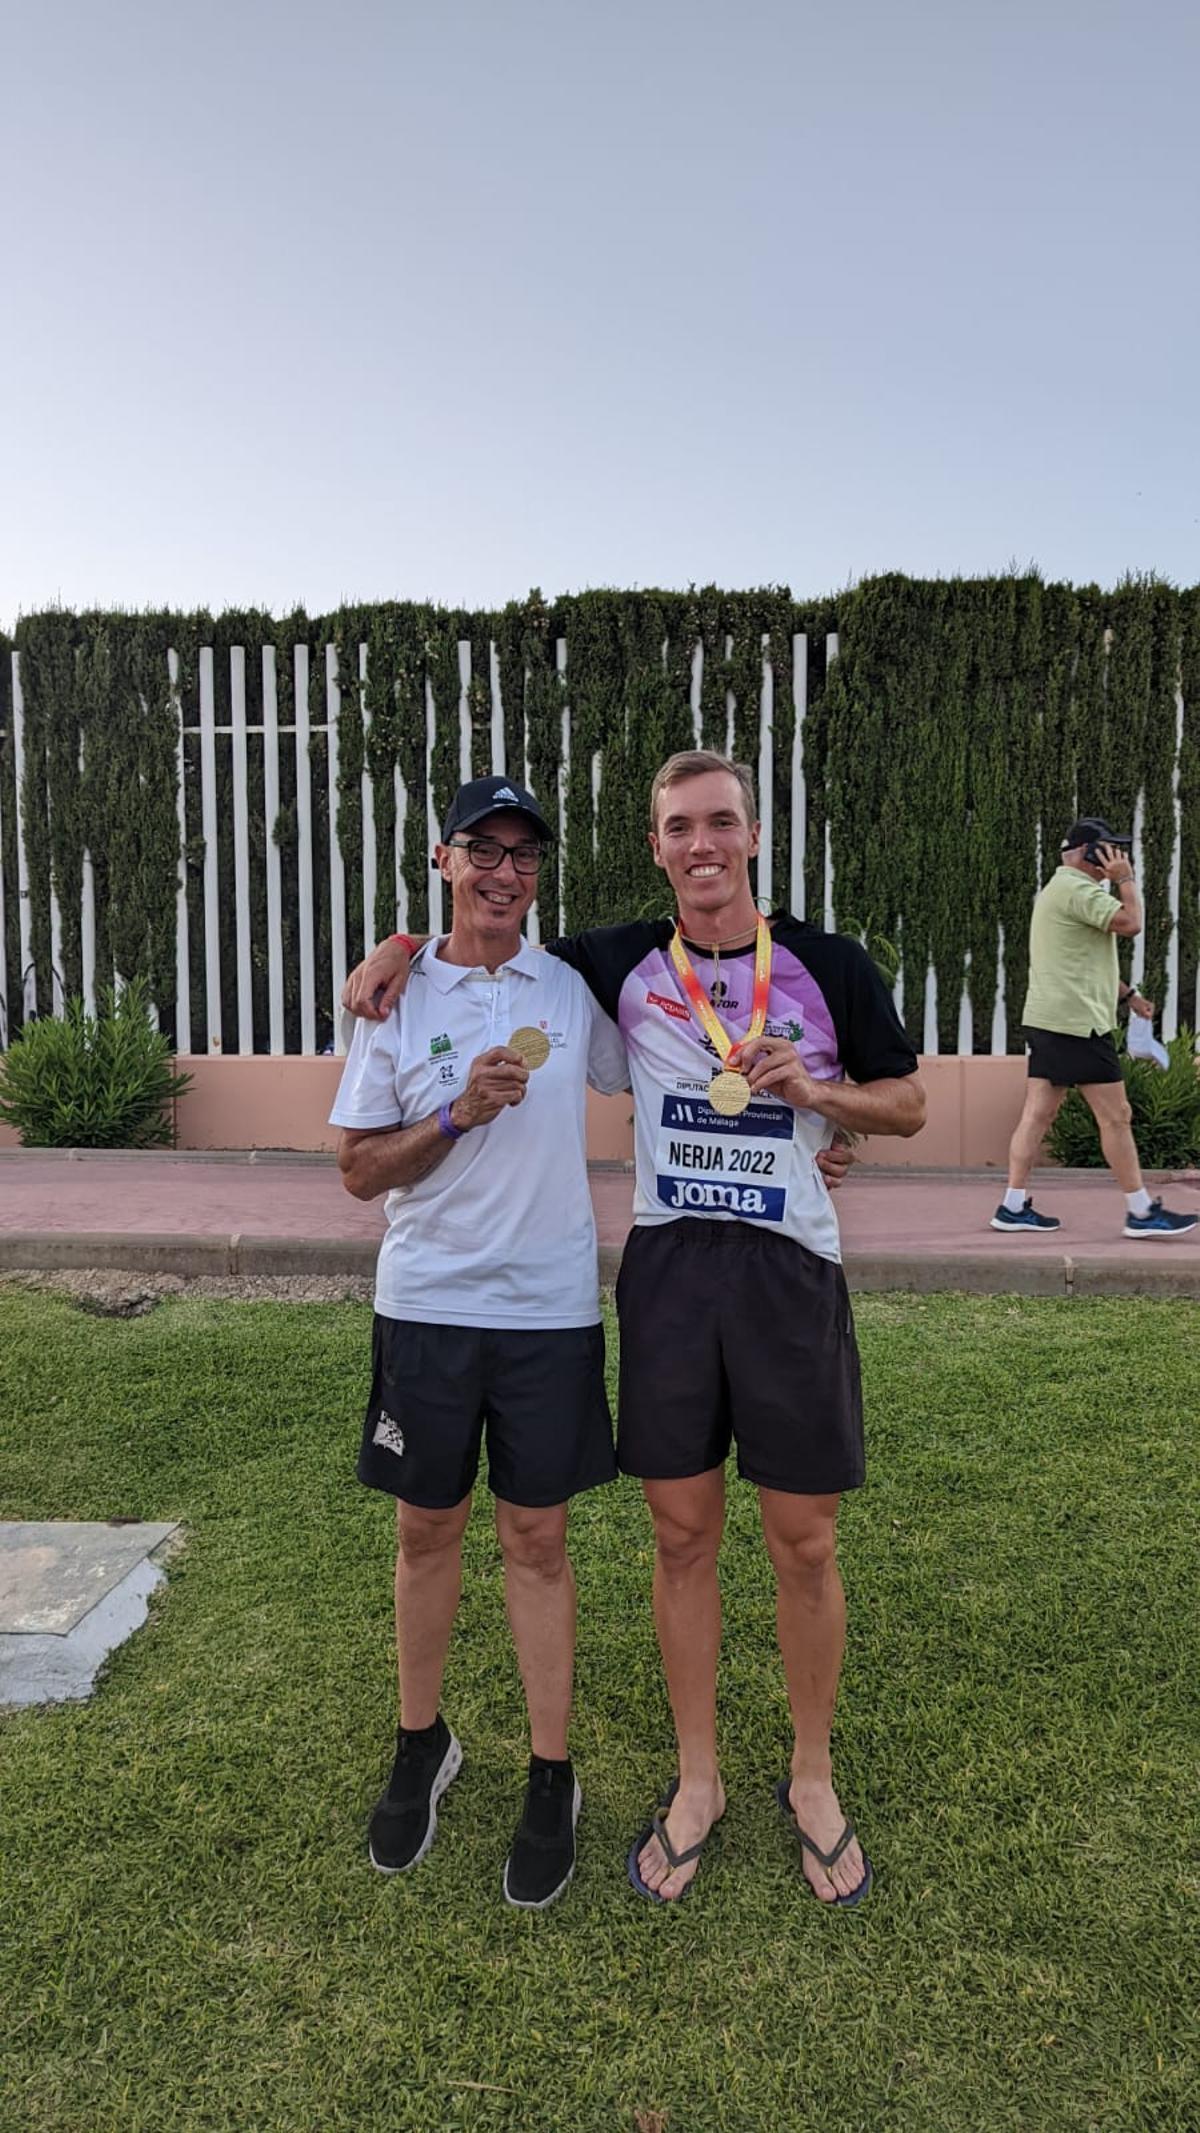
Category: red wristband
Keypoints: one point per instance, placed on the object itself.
(406, 941)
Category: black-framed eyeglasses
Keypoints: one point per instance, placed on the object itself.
(488, 852)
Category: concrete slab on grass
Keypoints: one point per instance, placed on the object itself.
(70, 1593)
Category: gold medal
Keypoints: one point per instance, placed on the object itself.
(729, 1094)
(533, 1045)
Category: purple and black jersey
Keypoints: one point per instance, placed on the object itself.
(826, 996)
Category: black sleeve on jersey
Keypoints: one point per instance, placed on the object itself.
(873, 1044)
(605, 955)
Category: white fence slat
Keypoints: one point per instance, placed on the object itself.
(564, 770)
(208, 816)
(4, 1028)
(1170, 1013)
(831, 653)
(696, 689)
(1137, 967)
(24, 901)
(337, 865)
(930, 1041)
(241, 845)
(498, 764)
(966, 1032)
(433, 829)
(799, 793)
(730, 702)
(898, 986)
(87, 934)
(183, 968)
(368, 815)
(999, 1011)
(766, 783)
(533, 929)
(56, 980)
(464, 711)
(304, 856)
(270, 703)
(401, 886)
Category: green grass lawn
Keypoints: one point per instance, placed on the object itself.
(193, 1938)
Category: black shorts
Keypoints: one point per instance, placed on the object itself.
(541, 1395)
(1069, 1062)
(728, 1332)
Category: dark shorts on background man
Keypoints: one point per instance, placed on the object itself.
(1072, 1062)
(729, 1332)
(435, 1389)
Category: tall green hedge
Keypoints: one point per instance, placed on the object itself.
(962, 725)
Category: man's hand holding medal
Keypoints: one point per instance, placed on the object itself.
(773, 1067)
(499, 1077)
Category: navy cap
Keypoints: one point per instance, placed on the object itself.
(1090, 829)
(485, 796)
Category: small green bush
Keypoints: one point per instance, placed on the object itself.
(1166, 1113)
(92, 1081)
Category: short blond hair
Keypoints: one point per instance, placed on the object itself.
(693, 763)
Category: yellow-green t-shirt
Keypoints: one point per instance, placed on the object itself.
(1073, 975)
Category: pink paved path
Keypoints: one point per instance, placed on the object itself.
(943, 1214)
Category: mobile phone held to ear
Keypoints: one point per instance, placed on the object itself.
(1094, 856)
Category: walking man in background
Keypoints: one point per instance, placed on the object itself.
(1070, 1013)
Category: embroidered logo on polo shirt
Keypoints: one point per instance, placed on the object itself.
(389, 1436)
(438, 1045)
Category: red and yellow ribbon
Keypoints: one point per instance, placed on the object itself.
(727, 1051)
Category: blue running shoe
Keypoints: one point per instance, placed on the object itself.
(1160, 1222)
(1028, 1219)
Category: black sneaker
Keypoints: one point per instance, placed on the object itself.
(1159, 1222)
(404, 1822)
(542, 1859)
(1028, 1219)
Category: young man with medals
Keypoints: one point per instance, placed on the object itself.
(466, 1105)
(735, 1323)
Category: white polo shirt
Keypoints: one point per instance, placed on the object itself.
(502, 1232)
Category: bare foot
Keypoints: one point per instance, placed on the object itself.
(687, 1821)
(817, 1810)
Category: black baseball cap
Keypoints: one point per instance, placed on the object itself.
(484, 796)
(1090, 829)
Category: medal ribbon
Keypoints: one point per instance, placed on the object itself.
(727, 1051)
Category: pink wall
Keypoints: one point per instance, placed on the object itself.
(283, 1103)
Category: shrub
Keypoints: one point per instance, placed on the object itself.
(92, 1081)
(1166, 1113)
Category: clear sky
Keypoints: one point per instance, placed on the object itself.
(378, 300)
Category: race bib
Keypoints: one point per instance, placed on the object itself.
(706, 1164)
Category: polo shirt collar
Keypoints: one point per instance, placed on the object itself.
(526, 963)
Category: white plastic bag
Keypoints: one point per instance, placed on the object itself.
(1142, 1042)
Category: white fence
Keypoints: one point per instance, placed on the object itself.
(264, 945)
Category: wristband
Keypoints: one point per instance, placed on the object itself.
(446, 1125)
(406, 941)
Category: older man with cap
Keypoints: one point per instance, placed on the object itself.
(1070, 1011)
(466, 1107)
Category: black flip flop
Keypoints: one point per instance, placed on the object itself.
(655, 1828)
(826, 1859)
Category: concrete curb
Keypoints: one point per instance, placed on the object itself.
(45, 1251)
(987, 1274)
